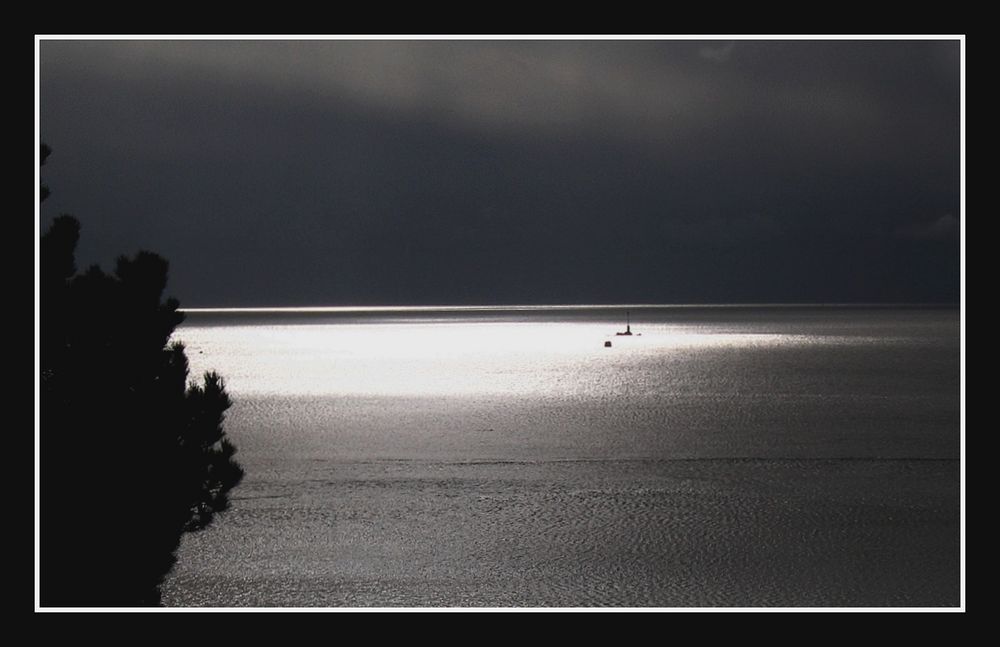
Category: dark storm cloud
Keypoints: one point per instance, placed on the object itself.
(325, 172)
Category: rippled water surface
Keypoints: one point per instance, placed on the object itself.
(504, 457)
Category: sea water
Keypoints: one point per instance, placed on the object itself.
(505, 457)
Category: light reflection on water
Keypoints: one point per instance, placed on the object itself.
(507, 458)
(448, 358)
(431, 384)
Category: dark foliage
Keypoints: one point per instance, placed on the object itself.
(131, 455)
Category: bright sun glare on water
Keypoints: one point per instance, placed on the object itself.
(719, 456)
(442, 357)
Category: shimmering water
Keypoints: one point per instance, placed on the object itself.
(728, 456)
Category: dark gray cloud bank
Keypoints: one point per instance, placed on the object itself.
(479, 172)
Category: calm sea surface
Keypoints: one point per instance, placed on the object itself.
(722, 456)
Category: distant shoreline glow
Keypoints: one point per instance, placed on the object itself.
(560, 307)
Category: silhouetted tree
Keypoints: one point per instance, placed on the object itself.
(131, 455)
(44, 156)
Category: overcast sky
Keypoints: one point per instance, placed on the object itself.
(335, 172)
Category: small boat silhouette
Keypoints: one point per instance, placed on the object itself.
(628, 326)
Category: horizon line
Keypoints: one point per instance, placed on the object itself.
(554, 306)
